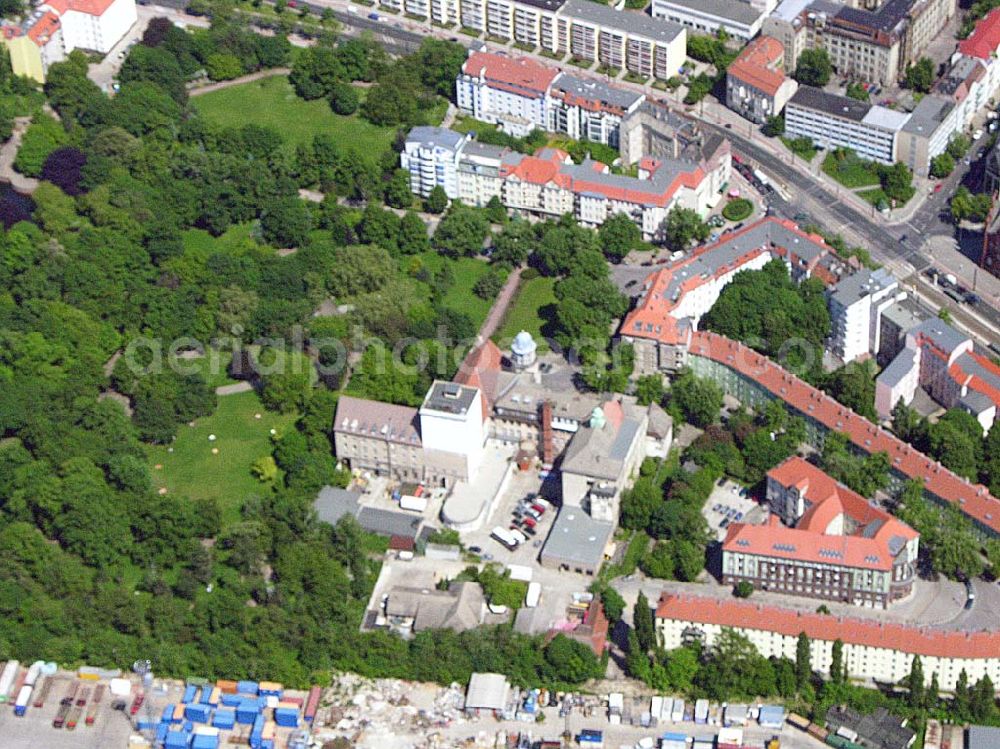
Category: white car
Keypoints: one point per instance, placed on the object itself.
(977, 135)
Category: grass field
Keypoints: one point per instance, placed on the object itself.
(272, 102)
(851, 171)
(801, 147)
(531, 310)
(213, 367)
(467, 271)
(193, 470)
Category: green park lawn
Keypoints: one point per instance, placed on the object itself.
(459, 297)
(272, 102)
(192, 470)
(530, 310)
(851, 171)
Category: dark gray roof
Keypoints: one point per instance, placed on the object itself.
(634, 22)
(333, 503)
(885, 19)
(810, 97)
(550, 5)
(929, 113)
(389, 523)
(879, 730)
(449, 397)
(899, 368)
(600, 452)
(904, 314)
(972, 367)
(730, 10)
(596, 90)
(485, 150)
(577, 539)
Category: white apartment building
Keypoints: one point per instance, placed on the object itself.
(872, 649)
(833, 121)
(856, 304)
(521, 95)
(549, 184)
(94, 24)
(431, 156)
(513, 92)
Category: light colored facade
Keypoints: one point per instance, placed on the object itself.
(522, 95)
(674, 299)
(603, 457)
(739, 19)
(856, 305)
(431, 156)
(451, 421)
(548, 184)
(926, 20)
(95, 25)
(833, 121)
(511, 92)
(756, 85)
(943, 362)
(833, 545)
(872, 650)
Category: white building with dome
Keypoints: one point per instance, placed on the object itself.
(523, 351)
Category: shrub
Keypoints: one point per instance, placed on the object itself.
(738, 209)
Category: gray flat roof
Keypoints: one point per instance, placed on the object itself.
(885, 118)
(449, 397)
(838, 106)
(576, 539)
(333, 503)
(789, 10)
(984, 737)
(929, 113)
(389, 523)
(730, 10)
(885, 19)
(634, 22)
(941, 334)
(905, 314)
(861, 284)
(596, 90)
(435, 136)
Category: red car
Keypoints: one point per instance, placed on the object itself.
(538, 508)
(938, 186)
(529, 522)
(137, 703)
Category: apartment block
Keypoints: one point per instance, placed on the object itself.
(872, 650)
(431, 155)
(856, 304)
(834, 121)
(824, 541)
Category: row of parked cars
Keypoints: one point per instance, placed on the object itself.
(528, 514)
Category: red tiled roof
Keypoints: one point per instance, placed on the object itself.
(811, 540)
(90, 7)
(972, 499)
(518, 75)
(479, 370)
(43, 29)
(757, 64)
(974, 381)
(984, 39)
(923, 641)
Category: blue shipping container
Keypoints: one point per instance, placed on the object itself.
(145, 725)
(247, 712)
(224, 718)
(206, 695)
(247, 687)
(168, 714)
(287, 717)
(198, 713)
(177, 740)
(205, 742)
(161, 732)
(232, 700)
(188, 726)
(189, 693)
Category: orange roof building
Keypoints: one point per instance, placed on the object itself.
(756, 84)
(836, 546)
(872, 649)
(754, 378)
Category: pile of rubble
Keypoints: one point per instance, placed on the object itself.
(389, 712)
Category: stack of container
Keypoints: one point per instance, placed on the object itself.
(224, 718)
(205, 737)
(286, 716)
(177, 740)
(269, 689)
(190, 692)
(247, 711)
(197, 712)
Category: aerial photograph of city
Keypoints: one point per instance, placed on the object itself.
(500, 374)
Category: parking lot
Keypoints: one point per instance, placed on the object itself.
(730, 503)
(111, 728)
